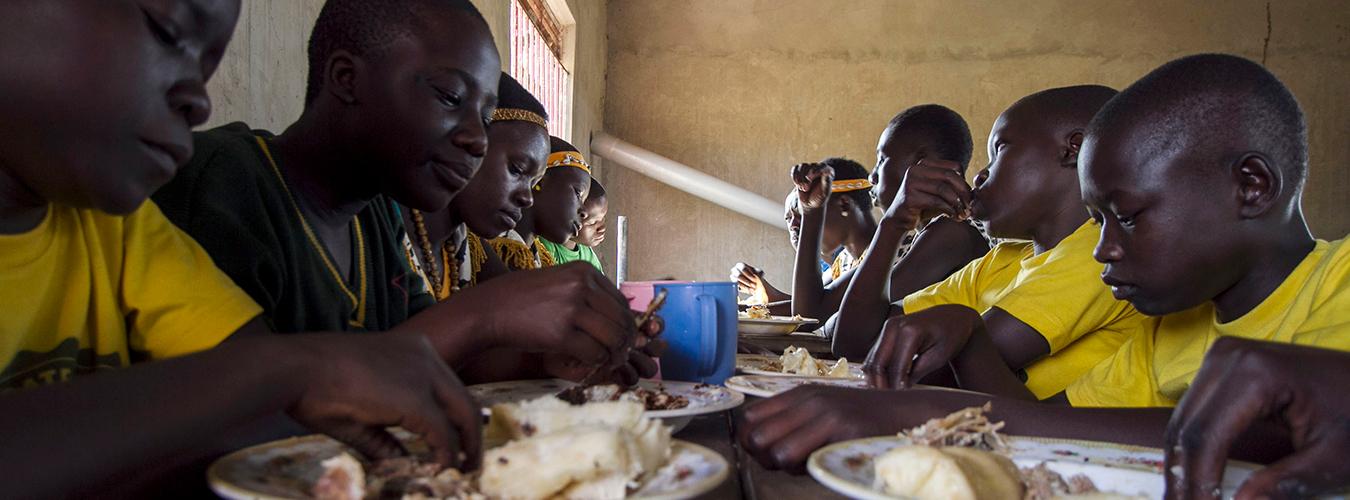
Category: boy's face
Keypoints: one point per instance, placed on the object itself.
(793, 219)
(1023, 173)
(99, 97)
(1167, 234)
(593, 214)
(423, 108)
(557, 205)
(895, 154)
(492, 202)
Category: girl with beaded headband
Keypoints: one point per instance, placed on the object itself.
(442, 245)
(555, 215)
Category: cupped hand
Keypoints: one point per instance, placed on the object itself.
(914, 345)
(932, 186)
(813, 185)
(1243, 381)
(358, 385)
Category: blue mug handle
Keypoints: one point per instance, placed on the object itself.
(707, 307)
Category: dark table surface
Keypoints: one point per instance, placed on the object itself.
(747, 479)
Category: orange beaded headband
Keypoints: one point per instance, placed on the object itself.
(524, 115)
(846, 185)
(567, 159)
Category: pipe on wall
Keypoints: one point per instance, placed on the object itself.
(687, 179)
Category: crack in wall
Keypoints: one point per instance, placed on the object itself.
(1265, 47)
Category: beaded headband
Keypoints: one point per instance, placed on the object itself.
(517, 114)
(567, 159)
(846, 185)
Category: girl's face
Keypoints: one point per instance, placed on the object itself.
(557, 204)
(593, 214)
(494, 200)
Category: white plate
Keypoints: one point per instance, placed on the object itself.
(773, 325)
(288, 469)
(762, 364)
(767, 386)
(703, 398)
(847, 467)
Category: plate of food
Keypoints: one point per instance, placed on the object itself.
(543, 448)
(796, 361)
(964, 452)
(767, 386)
(756, 320)
(662, 399)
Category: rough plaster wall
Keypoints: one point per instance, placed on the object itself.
(261, 79)
(743, 89)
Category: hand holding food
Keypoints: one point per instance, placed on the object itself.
(575, 313)
(1243, 381)
(552, 449)
(931, 186)
(782, 431)
(915, 345)
(366, 383)
(813, 185)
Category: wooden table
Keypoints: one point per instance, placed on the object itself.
(747, 479)
(817, 345)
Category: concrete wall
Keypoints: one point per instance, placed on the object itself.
(743, 89)
(261, 80)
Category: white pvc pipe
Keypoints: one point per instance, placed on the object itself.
(687, 179)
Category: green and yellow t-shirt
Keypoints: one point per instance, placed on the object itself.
(1059, 293)
(1311, 307)
(86, 291)
(561, 255)
(233, 201)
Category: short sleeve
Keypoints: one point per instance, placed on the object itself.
(1123, 380)
(962, 287)
(1064, 299)
(177, 300)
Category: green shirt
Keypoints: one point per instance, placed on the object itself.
(561, 255)
(232, 202)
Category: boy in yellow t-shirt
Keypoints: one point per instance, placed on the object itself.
(1195, 174)
(1036, 305)
(97, 102)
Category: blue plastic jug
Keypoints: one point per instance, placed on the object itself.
(700, 320)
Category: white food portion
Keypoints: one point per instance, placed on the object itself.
(927, 473)
(597, 450)
(548, 414)
(342, 479)
(798, 361)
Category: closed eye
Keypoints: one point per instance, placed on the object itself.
(166, 32)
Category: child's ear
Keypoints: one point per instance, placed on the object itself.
(340, 76)
(1073, 143)
(1258, 184)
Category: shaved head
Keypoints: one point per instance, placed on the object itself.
(1213, 108)
(1194, 173)
(1064, 108)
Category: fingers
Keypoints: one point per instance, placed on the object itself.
(902, 366)
(1304, 474)
(769, 422)
(790, 452)
(371, 441)
(641, 365)
(428, 419)
(1202, 431)
(465, 416)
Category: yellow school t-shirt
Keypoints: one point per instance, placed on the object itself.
(1059, 293)
(1311, 307)
(86, 291)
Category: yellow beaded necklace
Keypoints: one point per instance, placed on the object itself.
(358, 301)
